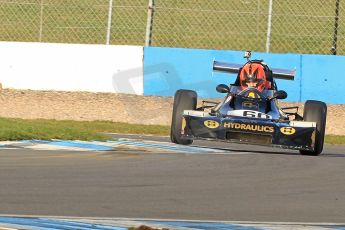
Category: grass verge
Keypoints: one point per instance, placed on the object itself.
(335, 139)
(19, 129)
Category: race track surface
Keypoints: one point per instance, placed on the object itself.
(244, 183)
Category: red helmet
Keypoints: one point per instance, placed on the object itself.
(254, 73)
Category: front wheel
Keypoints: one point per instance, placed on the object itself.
(316, 111)
(183, 100)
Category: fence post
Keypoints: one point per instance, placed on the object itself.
(269, 25)
(110, 12)
(336, 25)
(149, 24)
(41, 23)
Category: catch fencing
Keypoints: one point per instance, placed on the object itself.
(294, 26)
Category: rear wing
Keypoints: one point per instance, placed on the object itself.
(235, 68)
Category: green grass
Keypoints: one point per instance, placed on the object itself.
(19, 129)
(297, 26)
(335, 139)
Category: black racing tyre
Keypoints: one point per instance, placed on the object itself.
(183, 100)
(316, 111)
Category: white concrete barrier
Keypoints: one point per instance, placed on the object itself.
(71, 67)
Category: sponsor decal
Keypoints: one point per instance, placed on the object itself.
(249, 127)
(228, 99)
(252, 95)
(249, 113)
(287, 130)
(211, 124)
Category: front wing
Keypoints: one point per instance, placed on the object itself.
(286, 134)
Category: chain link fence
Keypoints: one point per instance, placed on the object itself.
(294, 26)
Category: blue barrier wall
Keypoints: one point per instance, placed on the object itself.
(169, 69)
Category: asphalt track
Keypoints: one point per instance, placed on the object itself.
(246, 183)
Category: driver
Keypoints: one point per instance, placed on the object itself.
(253, 76)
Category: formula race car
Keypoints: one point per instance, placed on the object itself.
(249, 112)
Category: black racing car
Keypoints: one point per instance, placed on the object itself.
(249, 115)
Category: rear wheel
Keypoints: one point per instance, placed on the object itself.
(183, 100)
(316, 111)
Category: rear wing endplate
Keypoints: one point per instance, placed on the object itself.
(235, 68)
